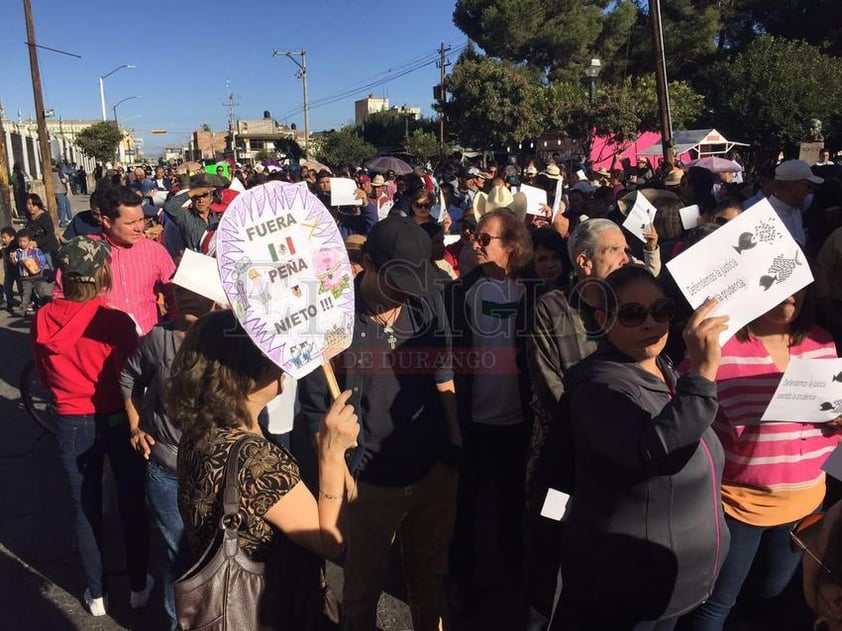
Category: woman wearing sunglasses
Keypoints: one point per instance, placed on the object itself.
(772, 476)
(644, 535)
(422, 202)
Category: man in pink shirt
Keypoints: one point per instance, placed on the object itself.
(140, 267)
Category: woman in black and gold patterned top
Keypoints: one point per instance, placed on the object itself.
(220, 382)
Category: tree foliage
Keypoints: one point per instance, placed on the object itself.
(768, 93)
(493, 101)
(556, 36)
(424, 145)
(342, 147)
(100, 140)
(762, 68)
(389, 129)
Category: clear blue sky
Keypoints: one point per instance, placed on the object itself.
(185, 53)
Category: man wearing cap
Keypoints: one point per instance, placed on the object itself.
(381, 200)
(398, 367)
(468, 188)
(391, 184)
(349, 219)
(793, 182)
(191, 210)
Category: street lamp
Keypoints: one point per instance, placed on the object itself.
(102, 87)
(592, 71)
(117, 125)
(117, 104)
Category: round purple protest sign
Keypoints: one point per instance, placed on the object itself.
(285, 270)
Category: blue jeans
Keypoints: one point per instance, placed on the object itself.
(162, 492)
(767, 548)
(84, 441)
(9, 281)
(65, 214)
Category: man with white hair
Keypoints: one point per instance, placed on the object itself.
(563, 334)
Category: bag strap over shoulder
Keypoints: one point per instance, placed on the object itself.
(231, 518)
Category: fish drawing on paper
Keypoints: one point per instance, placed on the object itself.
(780, 270)
(766, 232)
(745, 242)
(835, 406)
(837, 377)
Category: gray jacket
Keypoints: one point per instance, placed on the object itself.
(190, 225)
(144, 377)
(646, 508)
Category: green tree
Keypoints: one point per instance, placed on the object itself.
(557, 36)
(100, 140)
(343, 147)
(767, 94)
(493, 101)
(424, 145)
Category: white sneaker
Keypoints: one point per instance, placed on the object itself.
(138, 600)
(95, 605)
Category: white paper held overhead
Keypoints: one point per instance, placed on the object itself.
(640, 217)
(750, 265)
(342, 192)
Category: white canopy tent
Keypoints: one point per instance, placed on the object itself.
(698, 142)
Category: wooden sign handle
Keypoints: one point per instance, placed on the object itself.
(332, 384)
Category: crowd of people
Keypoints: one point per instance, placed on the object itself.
(498, 356)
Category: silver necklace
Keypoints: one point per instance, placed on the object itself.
(386, 323)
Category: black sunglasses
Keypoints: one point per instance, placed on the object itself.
(202, 196)
(484, 239)
(424, 205)
(634, 314)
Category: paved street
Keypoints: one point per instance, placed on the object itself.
(40, 578)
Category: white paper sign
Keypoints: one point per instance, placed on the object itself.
(750, 264)
(236, 185)
(536, 198)
(555, 504)
(833, 465)
(810, 390)
(200, 274)
(439, 211)
(639, 219)
(342, 191)
(559, 194)
(690, 216)
(280, 411)
(450, 239)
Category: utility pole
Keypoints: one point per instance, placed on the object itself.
(43, 139)
(661, 84)
(5, 192)
(442, 64)
(301, 74)
(232, 129)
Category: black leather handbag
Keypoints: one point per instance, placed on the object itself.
(224, 589)
(227, 591)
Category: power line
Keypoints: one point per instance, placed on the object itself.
(427, 60)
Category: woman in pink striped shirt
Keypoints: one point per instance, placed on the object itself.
(772, 476)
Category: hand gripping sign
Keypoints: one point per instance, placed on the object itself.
(285, 270)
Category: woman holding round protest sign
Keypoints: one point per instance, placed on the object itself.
(220, 383)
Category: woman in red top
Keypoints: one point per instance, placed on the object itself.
(80, 347)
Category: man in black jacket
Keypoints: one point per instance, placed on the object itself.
(399, 370)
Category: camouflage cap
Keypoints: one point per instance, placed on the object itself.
(81, 257)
